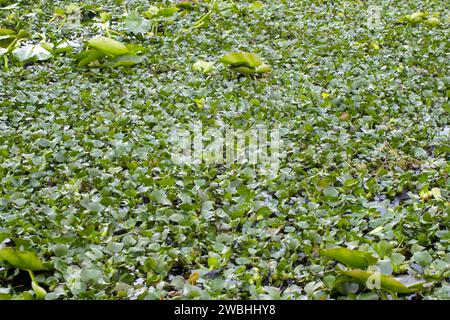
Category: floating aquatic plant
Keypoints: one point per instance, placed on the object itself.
(245, 63)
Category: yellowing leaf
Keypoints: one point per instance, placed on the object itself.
(7, 36)
(436, 192)
(351, 258)
(245, 62)
(375, 45)
(126, 60)
(194, 277)
(239, 59)
(203, 66)
(417, 16)
(433, 21)
(256, 6)
(263, 68)
(384, 281)
(108, 46)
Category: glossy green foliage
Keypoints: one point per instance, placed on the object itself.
(25, 260)
(245, 62)
(351, 258)
(386, 282)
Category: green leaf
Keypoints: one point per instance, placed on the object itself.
(25, 260)
(114, 247)
(93, 275)
(258, 70)
(256, 6)
(89, 56)
(153, 264)
(350, 182)
(213, 261)
(28, 52)
(167, 12)
(126, 60)
(108, 46)
(203, 66)
(6, 32)
(264, 68)
(331, 192)
(383, 248)
(432, 21)
(105, 16)
(160, 197)
(416, 17)
(385, 282)
(244, 70)
(136, 24)
(239, 59)
(423, 258)
(95, 206)
(38, 290)
(329, 281)
(184, 4)
(7, 36)
(351, 258)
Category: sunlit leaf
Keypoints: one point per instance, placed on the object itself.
(25, 260)
(245, 63)
(351, 258)
(433, 21)
(167, 12)
(7, 36)
(386, 282)
(238, 59)
(28, 52)
(256, 6)
(203, 66)
(108, 46)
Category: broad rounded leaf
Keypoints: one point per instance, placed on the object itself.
(25, 260)
(423, 258)
(136, 24)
